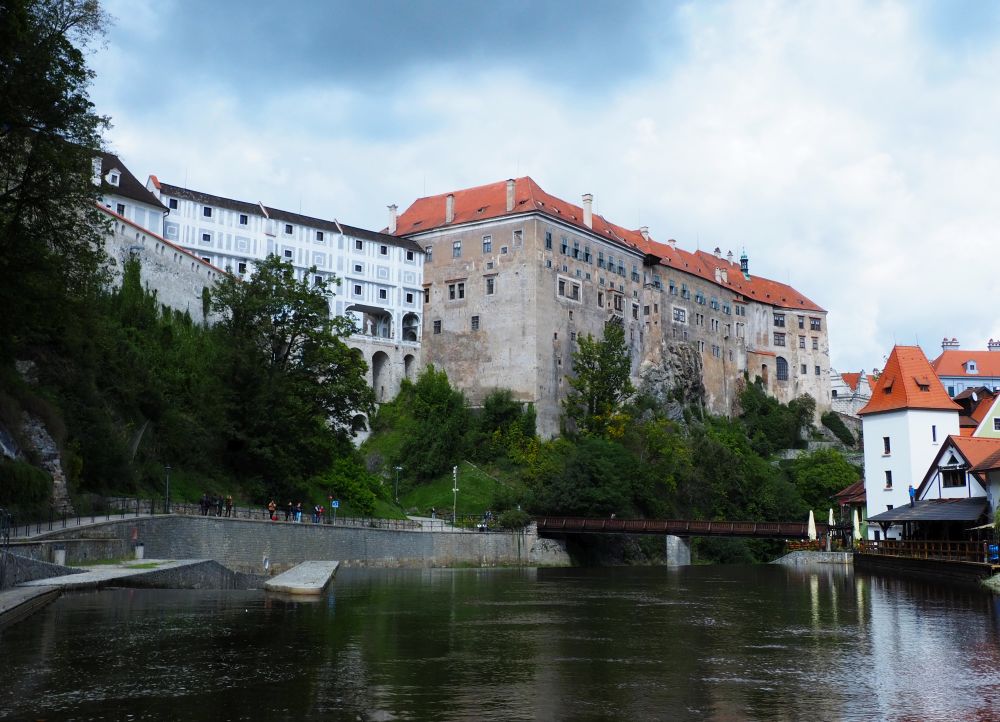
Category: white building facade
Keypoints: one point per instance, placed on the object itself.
(381, 275)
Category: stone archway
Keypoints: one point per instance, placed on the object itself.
(411, 327)
(409, 366)
(381, 375)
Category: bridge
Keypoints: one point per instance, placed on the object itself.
(557, 525)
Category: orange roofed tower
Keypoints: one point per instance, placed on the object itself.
(904, 424)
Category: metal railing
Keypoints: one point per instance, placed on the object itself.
(679, 527)
(954, 551)
(110, 508)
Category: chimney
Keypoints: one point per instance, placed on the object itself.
(745, 265)
(588, 212)
(729, 256)
(949, 345)
(725, 275)
(717, 252)
(645, 232)
(510, 195)
(672, 243)
(449, 208)
(392, 218)
(993, 345)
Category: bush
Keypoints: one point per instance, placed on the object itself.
(24, 487)
(514, 519)
(833, 423)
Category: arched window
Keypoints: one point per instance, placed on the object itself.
(782, 369)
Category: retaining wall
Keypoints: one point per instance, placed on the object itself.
(809, 557)
(20, 569)
(244, 544)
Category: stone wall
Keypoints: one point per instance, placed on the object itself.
(19, 569)
(247, 545)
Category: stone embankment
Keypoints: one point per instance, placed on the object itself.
(258, 546)
(808, 557)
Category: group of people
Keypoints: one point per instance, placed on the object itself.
(293, 512)
(214, 504)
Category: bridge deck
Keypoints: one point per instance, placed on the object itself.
(678, 527)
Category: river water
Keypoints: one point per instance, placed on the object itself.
(697, 643)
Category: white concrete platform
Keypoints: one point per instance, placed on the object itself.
(100, 575)
(304, 578)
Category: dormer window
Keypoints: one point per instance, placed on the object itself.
(114, 177)
(970, 367)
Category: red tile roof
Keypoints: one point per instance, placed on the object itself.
(853, 494)
(950, 363)
(490, 201)
(976, 450)
(908, 382)
(851, 380)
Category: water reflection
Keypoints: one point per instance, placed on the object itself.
(722, 643)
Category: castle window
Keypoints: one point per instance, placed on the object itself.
(357, 289)
(635, 273)
(586, 255)
(456, 249)
(817, 370)
(782, 369)
(429, 253)
(815, 343)
(779, 339)
(576, 249)
(888, 479)
(427, 295)
(490, 286)
(120, 209)
(359, 268)
(241, 267)
(564, 245)
(206, 237)
(814, 324)
(487, 244)
(934, 431)
(805, 370)
(475, 323)
(802, 341)
(802, 321)
(409, 297)
(317, 280)
(409, 256)
(359, 245)
(172, 204)
(244, 219)
(635, 311)
(319, 236)
(996, 424)
(779, 320)
(206, 211)
(680, 315)
(383, 294)
(548, 240)
(437, 326)
(288, 229)
(383, 250)
(503, 250)
(288, 253)
(600, 304)
(600, 259)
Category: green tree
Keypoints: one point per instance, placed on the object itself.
(820, 475)
(294, 386)
(600, 384)
(50, 229)
(435, 425)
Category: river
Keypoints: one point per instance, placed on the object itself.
(696, 643)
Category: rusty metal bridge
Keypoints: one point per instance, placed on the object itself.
(558, 525)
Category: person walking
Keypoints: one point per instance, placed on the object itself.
(229, 505)
(272, 509)
(218, 505)
(204, 504)
(288, 512)
(298, 513)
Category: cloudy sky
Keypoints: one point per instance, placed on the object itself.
(851, 148)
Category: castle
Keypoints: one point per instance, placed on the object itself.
(513, 276)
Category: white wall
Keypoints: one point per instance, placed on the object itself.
(912, 450)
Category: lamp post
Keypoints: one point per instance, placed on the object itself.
(398, 469)
(167, 504)
(454, 491)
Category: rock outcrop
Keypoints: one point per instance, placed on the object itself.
(673, 378)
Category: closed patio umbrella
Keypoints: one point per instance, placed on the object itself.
(856, 526)
(811, 527)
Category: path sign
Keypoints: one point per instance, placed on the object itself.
(335, 503)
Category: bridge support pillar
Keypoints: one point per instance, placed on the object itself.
(678, 551)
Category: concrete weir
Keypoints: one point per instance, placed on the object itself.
(305, 578)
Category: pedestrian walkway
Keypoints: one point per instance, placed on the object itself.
(19, 602)
(103, 575)
(305, 578)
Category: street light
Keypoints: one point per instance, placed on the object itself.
(454, 503)
(167, 505)
(398, 469)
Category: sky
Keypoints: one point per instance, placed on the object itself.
(850, 148)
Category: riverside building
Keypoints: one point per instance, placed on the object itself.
(513, 276)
